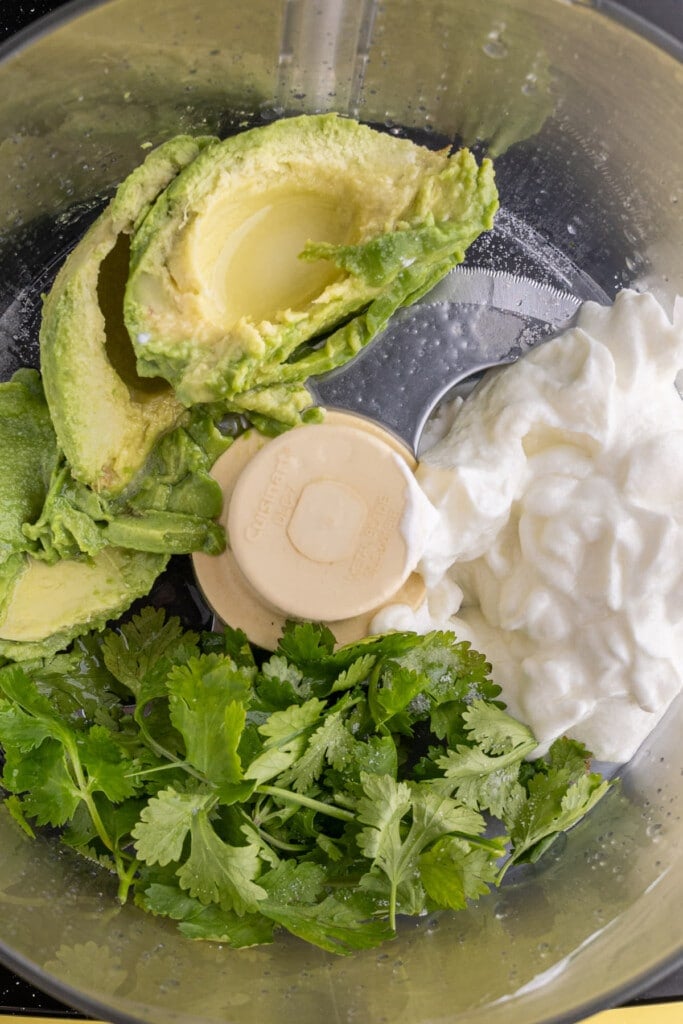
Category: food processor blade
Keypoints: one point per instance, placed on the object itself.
(474, 319)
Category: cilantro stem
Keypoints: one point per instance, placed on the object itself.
(307, 801)
(159, 768)
(174, 762)
(126, 876)
(85, 792)
(278, 843)
(392, 907)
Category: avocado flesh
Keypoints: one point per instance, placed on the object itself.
(106, 417)
(28, 455)
(225, 245)
(45, 603)
(245, 257)
(49, 605)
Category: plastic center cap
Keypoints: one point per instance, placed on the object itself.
(326, 523)
(319, 522)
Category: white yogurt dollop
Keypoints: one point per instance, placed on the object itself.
(558, 549)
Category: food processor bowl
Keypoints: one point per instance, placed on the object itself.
(579, 105)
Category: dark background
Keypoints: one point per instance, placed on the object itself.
(667, 14)
(16, 996)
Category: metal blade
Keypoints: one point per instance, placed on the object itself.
(471, 321)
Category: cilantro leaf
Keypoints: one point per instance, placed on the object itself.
(486, 775)
(481, 781)
(48, 792)
(454, 871)
(558, 795)
(287, 734)
(291, 882)
(336, 926)
(208, 698)
(21, 731)
(305, 643)
(376, 755)
(398, 687)
(356, 673)
(141, 652)
(20, 689)
(108, 770)
(453, 669)
(281, 684)
(78, 685)
(216, 872)
(165, 824)
(211, 922)
(236, 646)
(331, 741)
(383, 808)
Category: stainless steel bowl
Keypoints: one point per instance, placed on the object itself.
(581, 109)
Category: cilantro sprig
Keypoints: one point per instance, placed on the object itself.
(324, 791)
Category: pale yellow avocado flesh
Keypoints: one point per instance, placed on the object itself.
(244, 256)
(48, 600)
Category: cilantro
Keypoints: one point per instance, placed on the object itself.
(165, 823)
(198, 921)
(207, 700)
(217, 872)
(396, 852)
(454, 871)
(324, 790)
(485, 775)
(286, 735)
(554, 798)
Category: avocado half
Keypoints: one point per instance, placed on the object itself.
(44, 603)
(313, 227)
(107, 418)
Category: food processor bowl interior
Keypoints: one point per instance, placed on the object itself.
(580, 109)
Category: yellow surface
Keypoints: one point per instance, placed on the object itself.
(661, 1013)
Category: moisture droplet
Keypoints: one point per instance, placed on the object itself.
(501, 910)
(654, 831)
(495, 47)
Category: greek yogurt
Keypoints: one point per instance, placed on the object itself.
(558, 545)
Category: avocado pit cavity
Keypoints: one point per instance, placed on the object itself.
(245, 257)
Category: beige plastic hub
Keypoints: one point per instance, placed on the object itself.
(318, 522)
